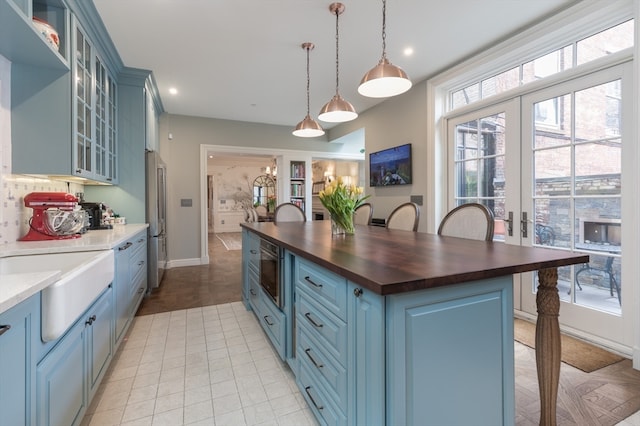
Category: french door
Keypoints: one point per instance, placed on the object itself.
(549, 165)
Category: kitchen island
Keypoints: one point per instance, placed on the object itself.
(397, 327)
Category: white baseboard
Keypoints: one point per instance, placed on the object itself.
(187, 262)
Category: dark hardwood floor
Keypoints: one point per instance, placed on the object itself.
(603, 397)
(194, 286)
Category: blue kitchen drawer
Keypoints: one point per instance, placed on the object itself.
(328, 288)
(318, 400)
(273, 321)
(329, 330)
(323, 367)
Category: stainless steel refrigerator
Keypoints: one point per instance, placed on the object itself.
(157, 219)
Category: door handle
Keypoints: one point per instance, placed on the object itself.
(524, 225)
(509, 223)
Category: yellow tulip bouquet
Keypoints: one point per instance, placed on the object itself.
(342, 201)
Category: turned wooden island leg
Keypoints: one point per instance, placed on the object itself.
(548, 344)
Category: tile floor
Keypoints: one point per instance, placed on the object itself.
(203, 366)
(210, 365)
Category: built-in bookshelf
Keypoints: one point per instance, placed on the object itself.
(297, 184)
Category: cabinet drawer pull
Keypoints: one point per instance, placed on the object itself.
(267, 320)
(308, 316)
(91, 319)
(141, 263)
(126, 246)
(4, 329)
(253, 251)
(319, 407)
(309, 280)
(140, 290)
(141, 240)
(308, 352)
(252, 291)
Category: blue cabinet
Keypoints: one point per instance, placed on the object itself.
(18, 334)
(322, 342)
(130, 281)
(250, 267)
(68, 376)
(273, 320)
(455, 340)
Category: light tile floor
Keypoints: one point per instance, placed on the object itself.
(203, 366)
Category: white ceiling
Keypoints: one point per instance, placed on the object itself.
(242, 60)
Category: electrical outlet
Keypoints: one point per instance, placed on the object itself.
(222, 222)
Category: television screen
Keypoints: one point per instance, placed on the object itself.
(391, 166)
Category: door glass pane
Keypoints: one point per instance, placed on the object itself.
(598, 111)
(577, 159)
(480, 165)
(552, 118)
(553, 226)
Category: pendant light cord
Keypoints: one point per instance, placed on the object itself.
(337, 47)
(384, 29)
(308, 79)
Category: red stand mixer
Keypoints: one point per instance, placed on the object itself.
(54, 216)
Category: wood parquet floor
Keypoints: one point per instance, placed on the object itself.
(601, 398)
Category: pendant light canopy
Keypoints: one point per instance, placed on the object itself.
(385, 79)
(337, 110)
(308, 127)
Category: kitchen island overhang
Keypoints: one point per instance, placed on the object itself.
(391, 262)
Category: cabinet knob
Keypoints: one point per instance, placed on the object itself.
(90, 321)
(357, 292)
(4, 329)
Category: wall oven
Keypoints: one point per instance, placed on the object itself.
(270, 261)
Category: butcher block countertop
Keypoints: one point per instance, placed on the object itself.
(392, 261)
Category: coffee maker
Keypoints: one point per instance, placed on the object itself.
(96, 212)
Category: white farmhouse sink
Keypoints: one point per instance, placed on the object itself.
(84, 275)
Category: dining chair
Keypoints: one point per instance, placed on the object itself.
(363, 214)
(261, 210)
(472, 221)
(288, 212)
(404, 217)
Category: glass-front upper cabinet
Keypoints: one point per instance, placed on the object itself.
(94, 109)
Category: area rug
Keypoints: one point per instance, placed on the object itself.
(575, 352)
(231, 240)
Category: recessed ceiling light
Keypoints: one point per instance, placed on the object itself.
(408, 51)
(173, 91)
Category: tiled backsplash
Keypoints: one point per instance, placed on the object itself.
(14, 215)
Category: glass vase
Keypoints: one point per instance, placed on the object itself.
(342, 225)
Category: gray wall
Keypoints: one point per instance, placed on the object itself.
(181, 153)
(396, 121)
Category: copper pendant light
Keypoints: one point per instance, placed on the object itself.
(337, 110)
(308, 127)
(385, 79)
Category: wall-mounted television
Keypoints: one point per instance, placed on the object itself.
(391, 166)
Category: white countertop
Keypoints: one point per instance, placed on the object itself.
(14, 288)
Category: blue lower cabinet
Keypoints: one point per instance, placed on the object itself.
(367, 361)
(19, 332)
(99, 340)
(273, 322)
(318, 400)
(324, 368)
(61, 381)
(69, 375)
(449, 341)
